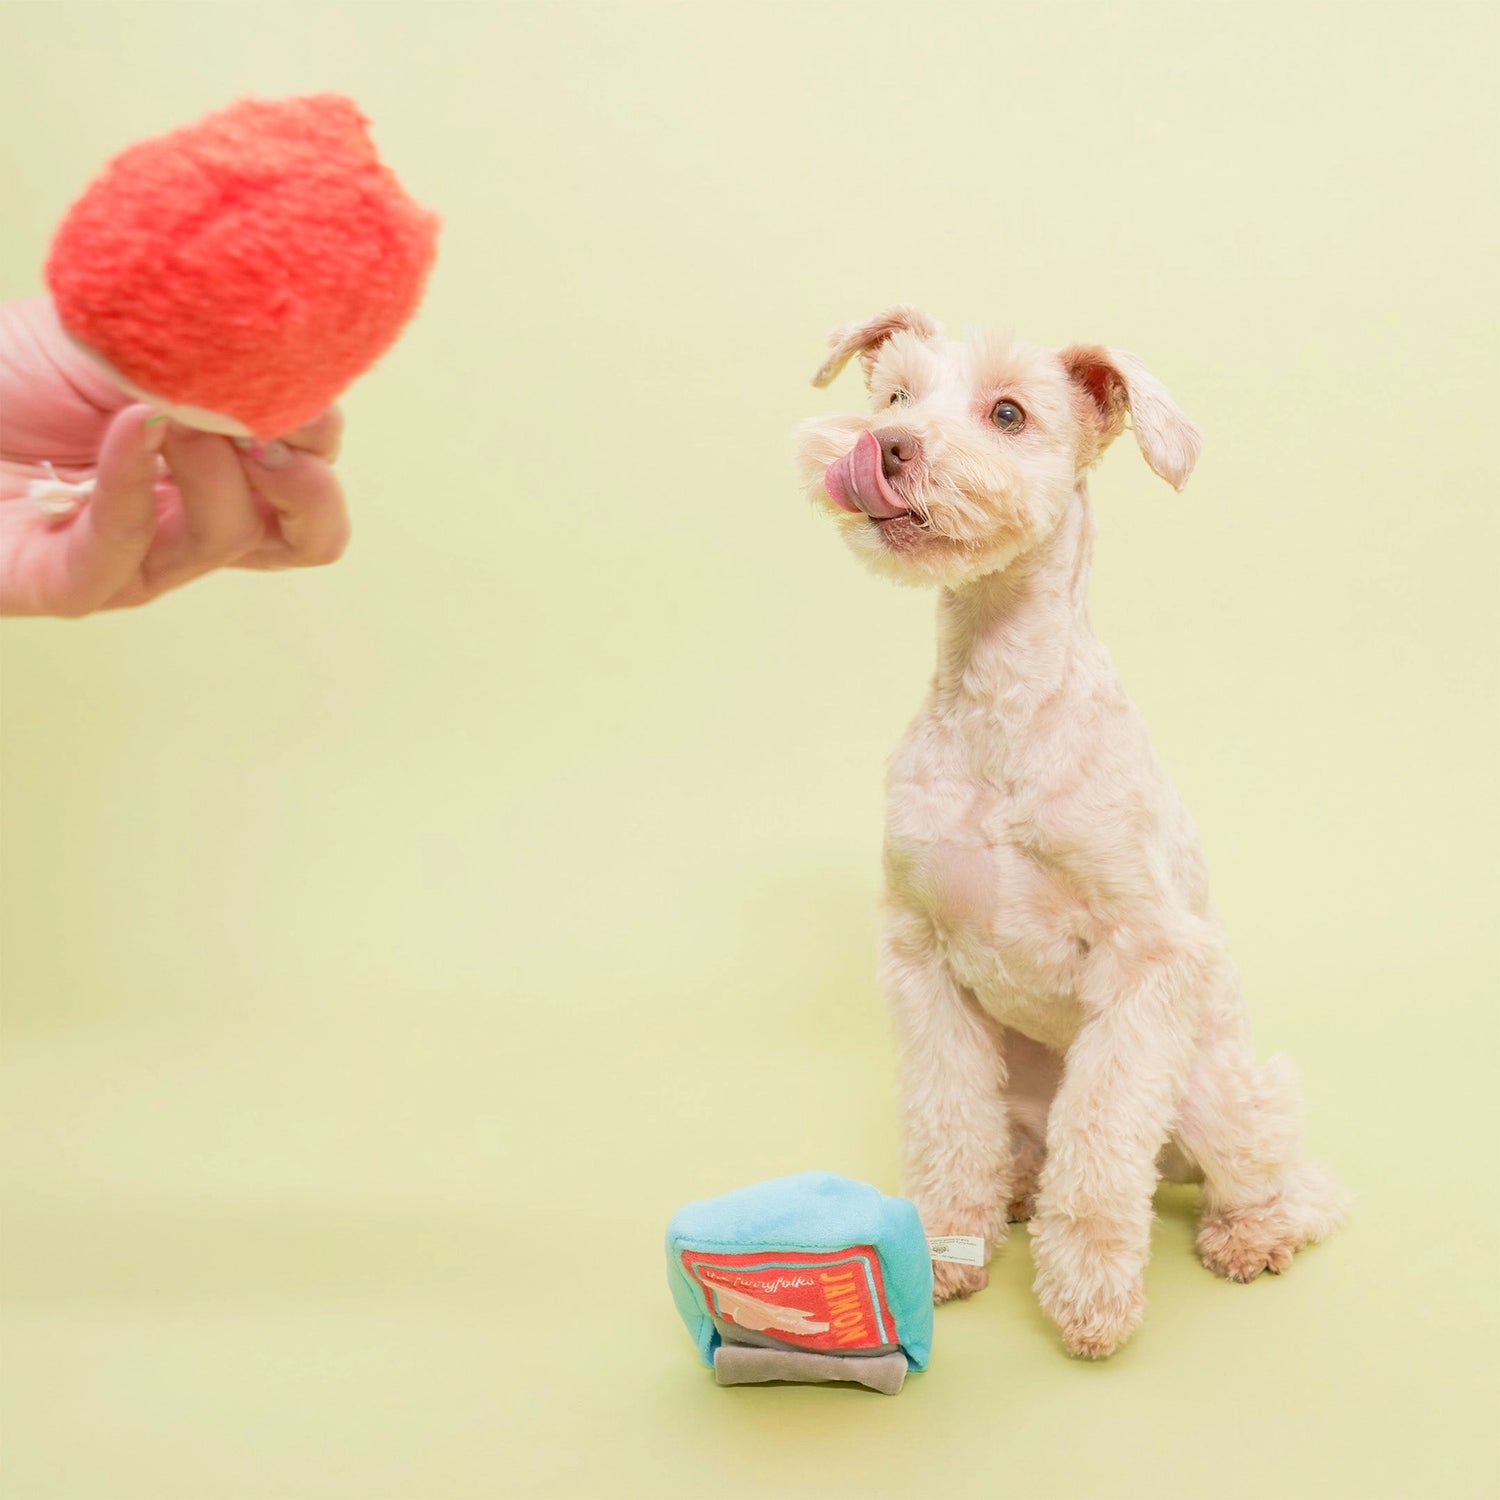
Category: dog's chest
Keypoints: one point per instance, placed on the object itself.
(960, 849)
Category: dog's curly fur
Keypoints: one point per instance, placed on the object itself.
(1070, 1023)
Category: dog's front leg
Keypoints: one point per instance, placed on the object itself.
(957, 1145)
(1122, 1079)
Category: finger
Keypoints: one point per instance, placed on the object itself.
(322, 437)
(312, 517)
(105, 546)
(216, 520)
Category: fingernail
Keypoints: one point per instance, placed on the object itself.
(272, 455)
(154, 432)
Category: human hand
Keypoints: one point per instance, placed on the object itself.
(169, 503)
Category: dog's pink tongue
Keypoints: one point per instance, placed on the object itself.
(857, 481)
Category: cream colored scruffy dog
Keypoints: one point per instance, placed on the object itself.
(1071, 1026)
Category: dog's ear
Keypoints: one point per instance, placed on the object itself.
(865, 339)
(1116, 385)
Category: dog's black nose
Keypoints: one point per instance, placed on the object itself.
(897, 449)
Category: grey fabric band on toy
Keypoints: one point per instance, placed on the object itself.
(748, 1364)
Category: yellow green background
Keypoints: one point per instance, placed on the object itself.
(388, 951)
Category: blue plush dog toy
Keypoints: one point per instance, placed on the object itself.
(809, 1278)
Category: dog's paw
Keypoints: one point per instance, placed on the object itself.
(951, 1216)
(1239, 1246)
(1099, 1319)
(1239, 1243)
(950, 1280)
(1025, 1181)
(1089, 1283)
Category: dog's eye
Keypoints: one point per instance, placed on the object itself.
(1008, 417)
(900, 398)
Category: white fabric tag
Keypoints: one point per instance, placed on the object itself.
(55, 498)
(960, 1249)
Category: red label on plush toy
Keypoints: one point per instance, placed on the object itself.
(833, 1299)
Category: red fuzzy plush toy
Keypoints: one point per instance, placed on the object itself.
(241, 272)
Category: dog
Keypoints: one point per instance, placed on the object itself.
(1071, 1027)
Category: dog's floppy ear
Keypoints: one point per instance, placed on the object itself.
(865, 339)
(1117, 384)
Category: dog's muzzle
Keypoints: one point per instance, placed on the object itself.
(857, 482)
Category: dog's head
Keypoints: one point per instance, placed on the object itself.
(974, 447)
